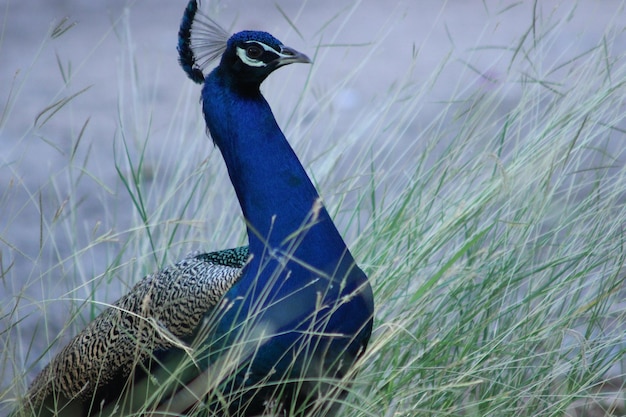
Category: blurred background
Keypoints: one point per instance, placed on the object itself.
(116, 66)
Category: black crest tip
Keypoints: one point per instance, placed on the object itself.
(201, 41)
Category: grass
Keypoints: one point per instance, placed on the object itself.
(492, 234)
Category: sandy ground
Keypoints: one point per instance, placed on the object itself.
(97, 48)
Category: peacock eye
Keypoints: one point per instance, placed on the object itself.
(254, 52)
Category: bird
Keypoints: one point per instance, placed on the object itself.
(281, 322)
(301, 296)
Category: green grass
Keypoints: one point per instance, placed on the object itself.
(492, 231)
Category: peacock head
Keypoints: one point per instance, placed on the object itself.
(251, 56)
(248, 56)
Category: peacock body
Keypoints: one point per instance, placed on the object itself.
(269, 329)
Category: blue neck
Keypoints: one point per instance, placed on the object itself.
(297, 285)
(276, 196)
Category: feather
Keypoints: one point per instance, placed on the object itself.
(201, 41)
(158, 312)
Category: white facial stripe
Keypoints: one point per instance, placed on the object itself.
(241, 53)
(264, 46)
(280, 54)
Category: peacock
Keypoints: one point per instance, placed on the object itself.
(271, 329)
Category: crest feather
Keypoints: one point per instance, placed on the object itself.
(201, 40)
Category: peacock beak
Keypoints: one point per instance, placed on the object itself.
(291, 56)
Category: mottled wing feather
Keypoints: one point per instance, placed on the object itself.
(236, 257)
(159, 309)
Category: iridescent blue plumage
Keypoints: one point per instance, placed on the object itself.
(254, 35)
(302, 284)
(274, 333)
(301, 290)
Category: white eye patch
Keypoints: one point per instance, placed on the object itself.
(241, 53)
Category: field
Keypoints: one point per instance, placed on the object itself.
(472, 155)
